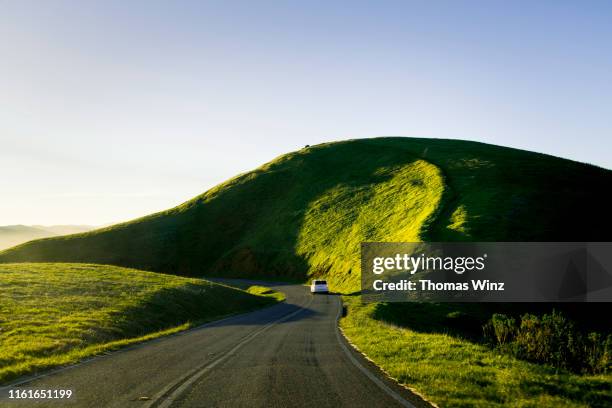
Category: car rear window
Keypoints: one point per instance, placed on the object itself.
(320, 282)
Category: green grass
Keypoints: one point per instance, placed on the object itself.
(254, 289)
(454, 372)
(264, 291)
(304, 215)
(56, 314)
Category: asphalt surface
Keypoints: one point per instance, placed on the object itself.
(287, 355)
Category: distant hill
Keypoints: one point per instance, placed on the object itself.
(11, 235)
(305, 213)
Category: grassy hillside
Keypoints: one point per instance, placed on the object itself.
(305, 213)
(423, 349)
(54, 314)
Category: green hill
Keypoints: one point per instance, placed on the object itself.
(305, 213)
(55, 314)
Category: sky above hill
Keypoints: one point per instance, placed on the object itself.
(111, 110)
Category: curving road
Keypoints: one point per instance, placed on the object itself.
(288, 355)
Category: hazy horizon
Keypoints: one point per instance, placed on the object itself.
(113, 110)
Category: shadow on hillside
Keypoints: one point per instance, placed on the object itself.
(268, 229)
(245, 283)
(465, 320)
(265, 317)
(462, 320)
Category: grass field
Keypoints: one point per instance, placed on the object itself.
(452, 371)
(55, 314)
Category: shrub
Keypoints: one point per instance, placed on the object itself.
(501, 328)
(550, 339)
(598, 352)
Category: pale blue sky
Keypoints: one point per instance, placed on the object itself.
(112, 110)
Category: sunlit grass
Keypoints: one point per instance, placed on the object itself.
(454, 372)
(55, 314)
(392, 207)
(264, 291)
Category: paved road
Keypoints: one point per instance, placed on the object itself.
(284, 356)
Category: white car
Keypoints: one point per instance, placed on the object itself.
(319, 286)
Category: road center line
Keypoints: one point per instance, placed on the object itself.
(172, 392)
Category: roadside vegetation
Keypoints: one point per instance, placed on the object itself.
(452, 370)
(258, 290)
(551, 339)
(56, 314)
